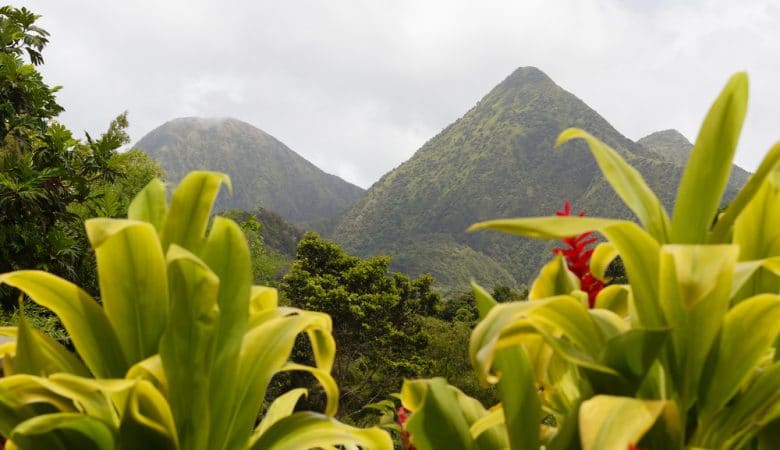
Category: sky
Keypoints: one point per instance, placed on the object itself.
(357, 86)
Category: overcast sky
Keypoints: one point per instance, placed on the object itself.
(358, 86)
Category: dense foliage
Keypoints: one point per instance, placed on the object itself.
(684, 356)
(265, 172)
(377, 317)
(47, 177)
(496, 161)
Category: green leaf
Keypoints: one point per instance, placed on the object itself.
(188, 217)
(602, 257)
(39, 354)
(695, 289)
(758, 405)
(640, 257)
(149, 205)
(73, 430)
(758, 236)
(555, 227)
(187, 346)
(633, 352)
(307, 430)
(745, 270)
(484, 300)
(697, 268)
(519, 397)
(83, 319)
(327, 382)
(720, 232)
(227, 254)
(554, 279)
(707, 172)
(749, 330)
(147, 421)
(133, 283)
(282, 406)
(265, 350)
(614, 298)
(612, 423)
(437, 421)
(627, 183)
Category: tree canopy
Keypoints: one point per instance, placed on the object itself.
(376, 316)
(44, 170)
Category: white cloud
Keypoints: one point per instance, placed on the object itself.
(356, 87)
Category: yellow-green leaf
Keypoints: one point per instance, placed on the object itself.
(768, 165)
(83, 319)
(133, 283)
(555, 278)
(602, 257)
(39, 354)
(612, 423)
(187, 346)
(627, 183)
(707, 172)
(191, 203)
(436, 421)
(748, 332)
(307, 430)
(555, 227)
(150, 205)
(147, 421)
(73, 430)
(281, 407)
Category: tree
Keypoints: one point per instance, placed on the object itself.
(376, 317)
(43, 168)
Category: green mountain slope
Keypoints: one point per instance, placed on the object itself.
(265, 172)
(673, 146)
(496, 161)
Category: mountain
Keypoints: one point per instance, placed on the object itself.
(670, 145)
(265, 173)
(496, 161)
(673, 146)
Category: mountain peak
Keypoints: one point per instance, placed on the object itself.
(527, 74)
(670, 144)
(264, 172)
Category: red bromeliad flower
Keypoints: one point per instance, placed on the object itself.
(577, 255)
(403, 415)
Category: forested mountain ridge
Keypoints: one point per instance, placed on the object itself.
(498, 160)
(264, 172)
(673, 146)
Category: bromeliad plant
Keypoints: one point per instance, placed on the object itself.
(684, 356)
(181, 351)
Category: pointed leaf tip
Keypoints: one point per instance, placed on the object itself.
(567, 135)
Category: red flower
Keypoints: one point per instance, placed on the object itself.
(633, 447)
(403, 416)
(577, 254)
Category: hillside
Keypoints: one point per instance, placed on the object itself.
(496, 161)
(265, 172)
(673, 146)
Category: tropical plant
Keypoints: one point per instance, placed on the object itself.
(181, 351)
(683, 356)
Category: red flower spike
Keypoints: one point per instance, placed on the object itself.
(403, 416)
(577, 254)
